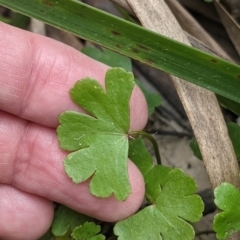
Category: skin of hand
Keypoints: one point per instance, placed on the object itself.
(36, 74)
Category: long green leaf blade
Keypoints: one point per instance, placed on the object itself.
(136, 42)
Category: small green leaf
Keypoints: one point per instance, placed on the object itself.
(87, 231)
(167, 218)
(227, 199)
(66, 219)
(173, 198)
(117, 60)
(108, 57)
(143, 160)
(99, 143)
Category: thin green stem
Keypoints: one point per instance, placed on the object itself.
(151, 139)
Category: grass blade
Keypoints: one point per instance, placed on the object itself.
(135, 42)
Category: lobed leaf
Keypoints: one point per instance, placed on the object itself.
(168, 217)
(66, 219)
(116, 60)
(99, 143)
(87, 231)
(174, 202)
(227, 222)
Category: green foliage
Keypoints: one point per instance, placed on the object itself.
(226, 196)
(229, 104)
(99, 143)
(66, 219)
(113, 59)
(87, 231)
(136, 42)
(71, 225)
(89, 137)
(234, 134)
(227, 222)
(141, 157)
(195, 148)
(171, 193)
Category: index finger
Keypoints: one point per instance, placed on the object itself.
(37, 73)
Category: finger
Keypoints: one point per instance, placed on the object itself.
(23, 216)
(37, 73)
(31, 161)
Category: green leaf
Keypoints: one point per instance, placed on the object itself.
(195, 149)
(19, 20)
(88, 231)
(136, 42)
(173, 198)
(143, 160)
(116, 60)
(66, 219)
(99, 142)
(153, 99)
(108, 57)
(234, 134)
(227, 199)
(167, 218)
(229, 104)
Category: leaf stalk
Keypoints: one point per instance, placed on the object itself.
(151, 139)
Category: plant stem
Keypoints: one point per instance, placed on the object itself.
(151, 139)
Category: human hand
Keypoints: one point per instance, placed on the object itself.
(36, 74)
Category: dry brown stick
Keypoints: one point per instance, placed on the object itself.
(200, 105)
